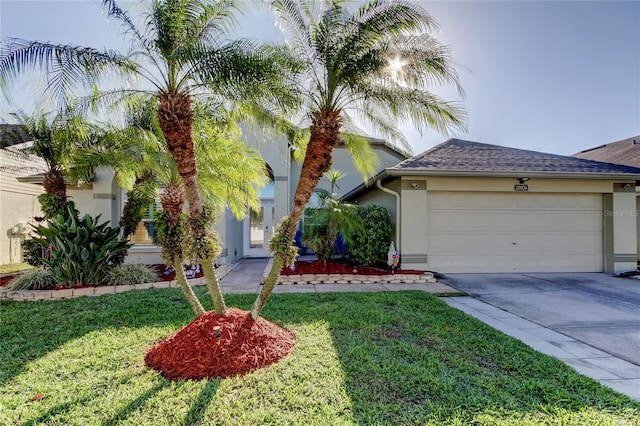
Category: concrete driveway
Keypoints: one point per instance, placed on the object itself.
(596, 309)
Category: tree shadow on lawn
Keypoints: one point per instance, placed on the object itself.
(30, 330)
(194, 416)
(410, 358)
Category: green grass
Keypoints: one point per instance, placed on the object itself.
(366, 358)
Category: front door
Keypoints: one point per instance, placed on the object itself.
(258, 228)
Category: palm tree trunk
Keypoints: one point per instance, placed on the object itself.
(191, 297)
(325, 134)
(176, 121)
(213, 286)
(54, 184)
(199, 222)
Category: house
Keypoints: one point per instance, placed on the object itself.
(626, 152)
(246, 238)
(18, 200)
(459, 207)
(472, 207)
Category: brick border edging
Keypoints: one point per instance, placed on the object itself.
(426, 277)
(72, 293)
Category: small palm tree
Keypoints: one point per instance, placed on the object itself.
(180, 53)
(229, 175)
(55, 138)
(333, 176)
(376, 64)
(329, 218)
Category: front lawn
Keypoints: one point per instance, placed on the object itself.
(360, 358)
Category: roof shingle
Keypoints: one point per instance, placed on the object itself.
(626, 152)
(456, 155)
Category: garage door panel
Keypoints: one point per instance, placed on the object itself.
(500, 232)
(506, 243)
(462, 264)
(519, 222)
(514, 201)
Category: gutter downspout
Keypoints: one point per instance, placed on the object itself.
(395, 194)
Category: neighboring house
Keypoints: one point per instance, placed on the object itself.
(471, 207)
(18, 200)
(246, 238)
(627, 152)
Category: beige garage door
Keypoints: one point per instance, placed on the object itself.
(515, 232)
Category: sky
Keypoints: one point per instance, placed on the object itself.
(550, 76)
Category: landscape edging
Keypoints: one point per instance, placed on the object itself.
(424, 278)
(71, 293)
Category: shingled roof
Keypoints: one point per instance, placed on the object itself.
(12, 134)
(626, 151)
(459, 156)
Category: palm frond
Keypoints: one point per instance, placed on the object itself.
(139, 38)
(378, 119)
(364, 157)
(391, 17)
(67, 67)
(243, 71)
(403, 104)
(230, 173)
(208, 21)
(425, 62)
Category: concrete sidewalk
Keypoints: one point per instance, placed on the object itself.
(609, 370)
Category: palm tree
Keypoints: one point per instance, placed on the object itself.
(229, 175)
(55, 138)
(180, 54)
(329, 218)
(376, 64)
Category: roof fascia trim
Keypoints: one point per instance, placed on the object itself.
(515, 174)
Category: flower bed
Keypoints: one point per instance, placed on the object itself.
(319, 267)
(317, 272)
(69, 293)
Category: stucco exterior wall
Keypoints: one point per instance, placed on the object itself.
(83, 199)
(490, 184)
(18, 204)
(638, 224)
(625, 241)
(16, 213)
(230, 230)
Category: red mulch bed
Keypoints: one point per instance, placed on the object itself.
(244, 345)
(5, 280)
(319, 267)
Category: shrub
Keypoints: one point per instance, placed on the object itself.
(371, 247)
(129, 274)
(35, 279)
(53, 205)
(323, 224)
(82, 250)
(33, 253)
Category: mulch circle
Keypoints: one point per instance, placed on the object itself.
(194, 352)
